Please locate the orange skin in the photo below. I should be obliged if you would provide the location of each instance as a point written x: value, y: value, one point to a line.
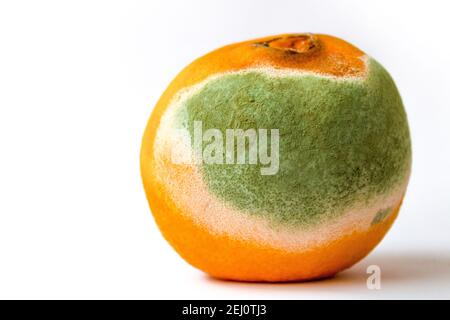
x: 220, y: 255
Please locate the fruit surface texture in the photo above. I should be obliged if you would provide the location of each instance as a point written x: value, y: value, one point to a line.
x: 332, y: 158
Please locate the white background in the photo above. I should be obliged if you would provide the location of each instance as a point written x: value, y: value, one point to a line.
x: 78, y: 80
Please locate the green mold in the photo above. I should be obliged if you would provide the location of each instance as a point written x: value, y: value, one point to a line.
x: 381, y: 215
x: 341, y: 141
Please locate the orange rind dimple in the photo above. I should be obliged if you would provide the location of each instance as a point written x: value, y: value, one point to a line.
x: 303, y: 43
